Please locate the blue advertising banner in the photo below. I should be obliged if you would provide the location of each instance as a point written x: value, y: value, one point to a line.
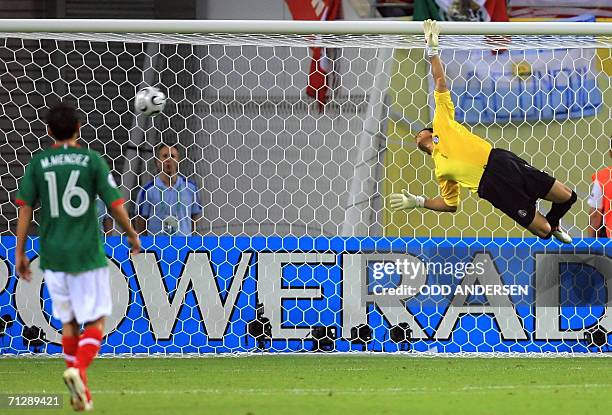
x: 514, y: 85
x: 522, y: 85
x: 209, y: 294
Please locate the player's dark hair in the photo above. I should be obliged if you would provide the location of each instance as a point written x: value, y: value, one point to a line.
x: 419, y: 145
x: 161, y: 145
x: 63, y: 121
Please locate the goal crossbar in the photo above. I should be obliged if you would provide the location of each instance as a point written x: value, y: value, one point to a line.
x: 300, y: 27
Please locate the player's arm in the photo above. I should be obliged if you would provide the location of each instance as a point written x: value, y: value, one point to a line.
x: 106, y: 188
x: 439, y: 204
x: 140, y: 224
x: 447, y: 202
x: 21, y: 261
x: 595, y: 201
x: 107, y: 221
x: 405, y: 200
x: 595, y: 222
x: 118, y: 212
x: 194, y: 222
x: 27, y: 196
x: 437, y: 70
x: 143, y: 211
x: 196, y: 208
x: 107, y: 225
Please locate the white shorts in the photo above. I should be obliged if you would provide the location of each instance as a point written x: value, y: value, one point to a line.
x: 85, y: 296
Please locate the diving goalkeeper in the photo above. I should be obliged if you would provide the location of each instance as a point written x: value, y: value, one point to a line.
x: 463, y: 159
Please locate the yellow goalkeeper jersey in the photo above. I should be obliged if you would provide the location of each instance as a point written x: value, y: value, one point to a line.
x: 460, y: 156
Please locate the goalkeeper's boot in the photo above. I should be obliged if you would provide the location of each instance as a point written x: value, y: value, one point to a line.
x: 80, y: 397
x: 561, y: 235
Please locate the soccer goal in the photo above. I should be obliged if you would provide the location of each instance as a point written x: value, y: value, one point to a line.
x: 294, y: 134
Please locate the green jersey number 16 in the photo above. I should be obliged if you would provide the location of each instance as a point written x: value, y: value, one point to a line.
x: 71, y: 191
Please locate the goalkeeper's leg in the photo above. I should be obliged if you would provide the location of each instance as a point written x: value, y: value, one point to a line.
x: 546, y: 226
x: 563, y: 198
x: 540, y: 226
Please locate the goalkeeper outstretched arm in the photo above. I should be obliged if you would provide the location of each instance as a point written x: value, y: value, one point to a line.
x: 432, y: 32
x: 405, y: 200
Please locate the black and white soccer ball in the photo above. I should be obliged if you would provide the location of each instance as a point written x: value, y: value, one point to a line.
x: 149, y: 101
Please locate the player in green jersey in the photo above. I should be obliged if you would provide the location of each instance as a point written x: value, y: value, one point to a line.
x: 65, y: 181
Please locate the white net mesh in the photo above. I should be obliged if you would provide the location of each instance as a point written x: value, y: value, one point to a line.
x: 292, y: 190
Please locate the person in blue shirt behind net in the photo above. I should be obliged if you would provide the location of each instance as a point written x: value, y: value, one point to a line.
x: 169, y: 204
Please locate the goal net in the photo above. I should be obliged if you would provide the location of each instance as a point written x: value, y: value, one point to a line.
x: 293, y: 143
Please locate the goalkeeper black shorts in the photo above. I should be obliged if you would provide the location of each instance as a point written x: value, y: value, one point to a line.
x: 513, y: 186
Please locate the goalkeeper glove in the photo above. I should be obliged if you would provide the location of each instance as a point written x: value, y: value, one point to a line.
x: 432, y: 30
x: 405, y: 200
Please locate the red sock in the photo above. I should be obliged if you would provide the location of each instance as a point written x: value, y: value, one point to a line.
x: 70, y: 344
x: 89, y: 345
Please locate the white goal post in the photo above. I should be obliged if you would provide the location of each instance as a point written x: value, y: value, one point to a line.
x: 293, y: 157
x: 300, y: 27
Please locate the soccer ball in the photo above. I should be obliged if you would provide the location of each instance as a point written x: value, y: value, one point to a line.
x: 149, y: 101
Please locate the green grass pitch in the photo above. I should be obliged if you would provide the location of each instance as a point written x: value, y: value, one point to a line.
x: 326, y: 384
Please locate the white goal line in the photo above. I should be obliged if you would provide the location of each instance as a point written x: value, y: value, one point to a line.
x: 302, y: 27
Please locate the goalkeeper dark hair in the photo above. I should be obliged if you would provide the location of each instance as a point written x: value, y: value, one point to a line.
x: 172, y: 144
x: 423, y: 147
x: 63, y: 121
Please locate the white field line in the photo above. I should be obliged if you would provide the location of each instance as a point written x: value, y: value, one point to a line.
x: 174, y: 371
x: 255, y: 370
x: 331, y: 391
x: 217, y: 370
x: 354, y: 391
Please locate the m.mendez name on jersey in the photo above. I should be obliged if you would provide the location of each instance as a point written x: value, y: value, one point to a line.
x: 63, y: 159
